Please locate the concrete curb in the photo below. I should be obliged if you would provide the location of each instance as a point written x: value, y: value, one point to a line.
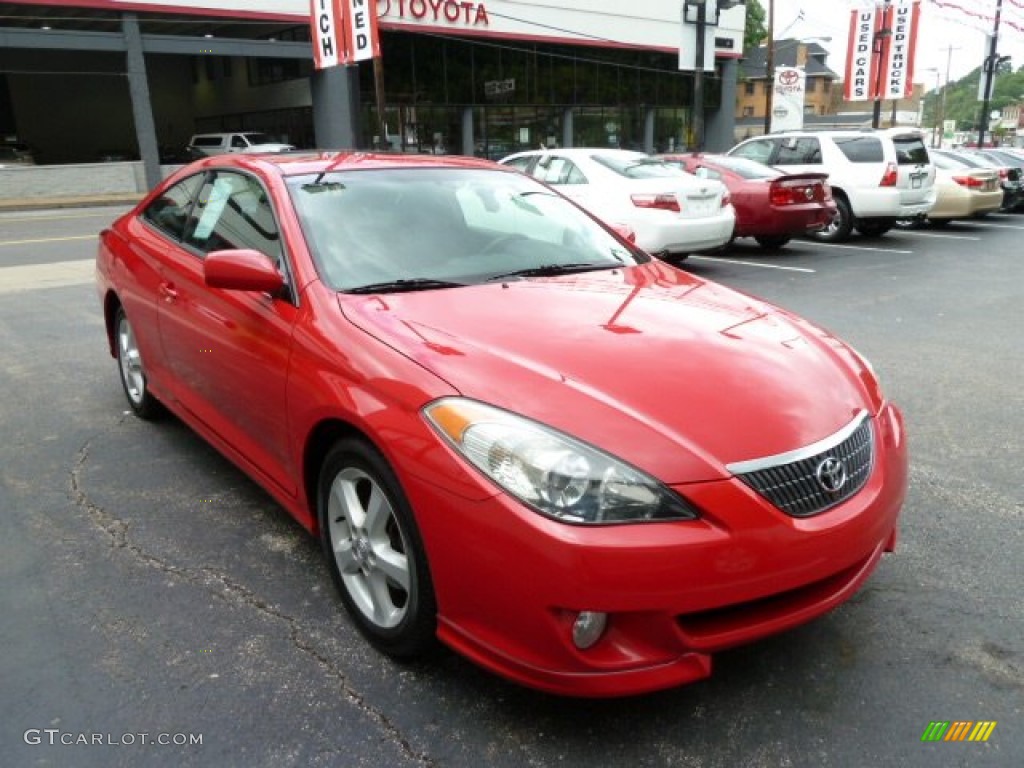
x: 42, y: 203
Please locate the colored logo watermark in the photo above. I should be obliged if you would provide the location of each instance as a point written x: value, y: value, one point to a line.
x: 958, y: 730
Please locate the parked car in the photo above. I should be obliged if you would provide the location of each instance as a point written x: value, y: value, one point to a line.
x: 16, y: 153
x: 877, y: 176
x: 962, y: 192
x: 511, y: 429
x: 1010, y: 180
x: 207, y: 144
x: 772, y: 207
x: 672, y: 212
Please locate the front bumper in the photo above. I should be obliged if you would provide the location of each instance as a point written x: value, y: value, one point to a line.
x: 510, y: 584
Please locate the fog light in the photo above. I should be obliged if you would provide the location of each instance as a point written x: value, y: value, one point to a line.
x: 588, y: 628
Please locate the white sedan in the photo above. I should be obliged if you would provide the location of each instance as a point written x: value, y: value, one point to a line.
x: 671, y: 212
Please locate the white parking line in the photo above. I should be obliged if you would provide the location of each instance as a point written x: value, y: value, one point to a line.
x: 753, y: 264
x: 995, y: 226
x: 861, y: 248
x: 31, y: 277
x: 943, y: 236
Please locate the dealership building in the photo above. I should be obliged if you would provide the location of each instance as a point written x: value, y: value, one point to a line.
x: 95, y: 80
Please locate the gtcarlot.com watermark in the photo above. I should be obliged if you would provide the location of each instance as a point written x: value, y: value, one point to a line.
x: 57, y: 737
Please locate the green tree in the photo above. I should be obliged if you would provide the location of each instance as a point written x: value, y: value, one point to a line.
x: 755, y: 31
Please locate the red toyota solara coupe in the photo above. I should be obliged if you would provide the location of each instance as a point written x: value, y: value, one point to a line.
x: 512, y: 430
x: 772, y: 207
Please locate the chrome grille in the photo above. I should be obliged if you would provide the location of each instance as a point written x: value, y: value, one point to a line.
x: 801, y: 483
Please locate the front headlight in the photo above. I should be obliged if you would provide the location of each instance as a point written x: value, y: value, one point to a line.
x: 550, y: 471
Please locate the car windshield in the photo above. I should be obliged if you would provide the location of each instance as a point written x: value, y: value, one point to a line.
x: 390, y: 230
x: 637, y: 166
x: 910, y: 150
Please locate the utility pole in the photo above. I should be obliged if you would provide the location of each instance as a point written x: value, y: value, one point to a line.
x: 769, y: 69
x: 942, y: 97
x: 989, y: 73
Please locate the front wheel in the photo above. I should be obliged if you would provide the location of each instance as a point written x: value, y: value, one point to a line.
x: 133, y: 374
x: 841, y: 225
x: 374, y: 551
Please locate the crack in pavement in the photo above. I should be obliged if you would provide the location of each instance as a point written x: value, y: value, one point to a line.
x: 225, y: 589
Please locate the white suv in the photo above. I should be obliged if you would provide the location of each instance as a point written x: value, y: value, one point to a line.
x: 877, y: 176
x: 206, y: 144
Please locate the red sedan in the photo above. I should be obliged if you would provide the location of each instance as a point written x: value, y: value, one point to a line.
x: 772, y: 207
x: 511, y: 429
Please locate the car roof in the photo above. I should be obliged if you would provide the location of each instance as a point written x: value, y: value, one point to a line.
x: 581, y: 151
x: 319, y: 161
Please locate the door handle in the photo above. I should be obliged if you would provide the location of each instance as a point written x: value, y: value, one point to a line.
x: 168, y: 293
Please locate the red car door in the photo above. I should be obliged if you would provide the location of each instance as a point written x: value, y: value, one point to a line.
x: 229, y: 351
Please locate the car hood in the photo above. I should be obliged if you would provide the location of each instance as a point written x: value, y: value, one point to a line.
x: 676, y: 375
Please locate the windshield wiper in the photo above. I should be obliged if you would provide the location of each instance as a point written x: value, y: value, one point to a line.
x: 405, y: 284
x: 549, y: 270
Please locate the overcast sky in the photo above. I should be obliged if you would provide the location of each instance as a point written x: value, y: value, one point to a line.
x: 944, y: 23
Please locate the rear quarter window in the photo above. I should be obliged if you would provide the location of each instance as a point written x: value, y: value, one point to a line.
x: 861, y: 149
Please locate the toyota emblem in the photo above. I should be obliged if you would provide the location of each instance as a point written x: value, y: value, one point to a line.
x: 831, y: 475
x: 789, y: 77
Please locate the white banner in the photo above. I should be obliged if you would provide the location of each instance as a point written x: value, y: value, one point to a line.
x: 899, y: 81
x: 788, y: 99
x: 361, y: 29
x: 860, y: 58
x: 325, y: 31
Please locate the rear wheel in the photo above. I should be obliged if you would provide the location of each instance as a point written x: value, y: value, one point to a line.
x: 374, y: 551
x: 773, y: 243
x: 133, y: 374
x: 841, y: 225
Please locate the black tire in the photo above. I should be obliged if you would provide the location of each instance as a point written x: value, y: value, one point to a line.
x: 841, y: 225
x: 374, y: 550
x: 873, y: 228
x: 132, y: 371
x: 773, y: 243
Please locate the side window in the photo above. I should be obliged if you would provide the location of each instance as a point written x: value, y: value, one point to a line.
x: 238, y: 142
x: 233, y: 211
x: 574, y: 175
x: 520, y: 163
x: 169, y: 212
x: 759, y: 150
x: 861, y: 149
x: 805, y: 151
x: 553, y: 170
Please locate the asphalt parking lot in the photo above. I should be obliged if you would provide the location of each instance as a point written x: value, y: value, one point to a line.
x: 150, y: 593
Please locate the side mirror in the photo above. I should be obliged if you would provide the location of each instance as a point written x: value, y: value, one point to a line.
x: 242, y: 270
